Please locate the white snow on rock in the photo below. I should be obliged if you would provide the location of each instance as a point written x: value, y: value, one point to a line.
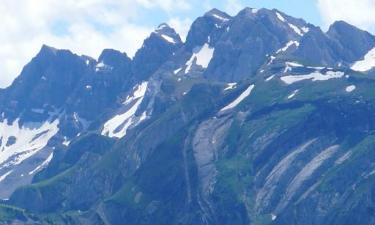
x: 299, y: 31
x: 224, y: 19
x: 43, y: 165
x: 177, y: 71
x: 290, y: 65
x: 305, y: 29
x: 280, y: 17
x: 4, y: 176
x: 117, y: 126
x: 169, y: 39
x: 293, y: 94
x: 139, y: 92
x: 230, y: 86
x: 293, y: 64
x: 287, y: 46
x: 101, y: 66
x: 202, y: 57
x: 315, y: 76
x: 66, y: 142
x: 270, y: 78
x: 296, y: 29
x: 350, y: 88
x: 28, y: 139
x: 367, y: 63
x: 240, y: 98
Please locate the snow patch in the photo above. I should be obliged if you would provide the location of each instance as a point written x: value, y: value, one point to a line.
x: 31, y: 138
x: 270, y: 78
x: 315, y: 76
x: 293, y: 94
x: 350, y: 88
x: 42, y: 165
x: 240, y: 98
x: 138, y: 92
x: 177, y: 71
x: 224, y: 19
x: 202, y: 57
x: 293, y: 64
x: 169, y: 39
x: 305, y: 29
x: 290, y: 65
x: 117, y: 126
x: 280, y: 17
x: 296, y: 29
x: 287, y: 46
x: 230, y: 86
x: 101, y: 66
x: 2, y: 178
x: 66, y: 142
x: 367, y: 63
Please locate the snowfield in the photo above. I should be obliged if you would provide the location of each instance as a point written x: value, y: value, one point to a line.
x: 240, y: 98
x: 367, y: 63
x: 202, y: 57
x: 19, y: 142
x: 315, y: 76
x: 117, y: 126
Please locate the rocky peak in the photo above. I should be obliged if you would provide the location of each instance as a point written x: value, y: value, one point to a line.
x: 167, y: 33
x: 113, y: 58
x: 352, y: 42
x: 207, y: 28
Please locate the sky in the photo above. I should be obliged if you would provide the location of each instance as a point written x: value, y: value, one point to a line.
x: 89, y: 26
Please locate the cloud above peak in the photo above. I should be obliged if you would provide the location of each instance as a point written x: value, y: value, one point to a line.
x: 357, y: 12
x: 84, y: 26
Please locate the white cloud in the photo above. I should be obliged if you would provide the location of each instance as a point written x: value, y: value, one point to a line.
x: 356, y: 12
x: 181, y: 26
x: 167, y: 5
x: 83, y: 26
x: 233, y: 6
x: 88, y: 26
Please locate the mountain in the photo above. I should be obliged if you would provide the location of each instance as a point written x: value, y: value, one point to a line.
x: 258, y: 118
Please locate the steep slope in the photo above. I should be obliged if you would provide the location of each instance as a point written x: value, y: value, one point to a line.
x: 256, y: 119
x: 59, y: 96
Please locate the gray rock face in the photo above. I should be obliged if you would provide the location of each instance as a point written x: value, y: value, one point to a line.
x: 197, y: 146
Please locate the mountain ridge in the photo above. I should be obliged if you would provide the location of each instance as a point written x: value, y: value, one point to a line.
x: 254, y: 119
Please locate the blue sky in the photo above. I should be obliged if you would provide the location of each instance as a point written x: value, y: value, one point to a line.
x: 306, y: 9
x: 88, y: 26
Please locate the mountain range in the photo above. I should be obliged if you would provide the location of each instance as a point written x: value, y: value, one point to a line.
x: 256, y: 119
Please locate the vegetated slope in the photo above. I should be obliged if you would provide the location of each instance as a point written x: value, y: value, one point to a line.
x: 256, y: 119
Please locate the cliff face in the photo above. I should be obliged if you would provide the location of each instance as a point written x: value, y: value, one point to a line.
x: 260, y: 118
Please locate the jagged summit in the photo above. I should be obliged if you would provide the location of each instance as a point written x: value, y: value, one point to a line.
x: 46, y: 51
x: 217, y: 14
x: 248, y: 11
x: 112, y: 57
x: 257, y: 118
x: 46, y: 48
x: 167, y: 33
